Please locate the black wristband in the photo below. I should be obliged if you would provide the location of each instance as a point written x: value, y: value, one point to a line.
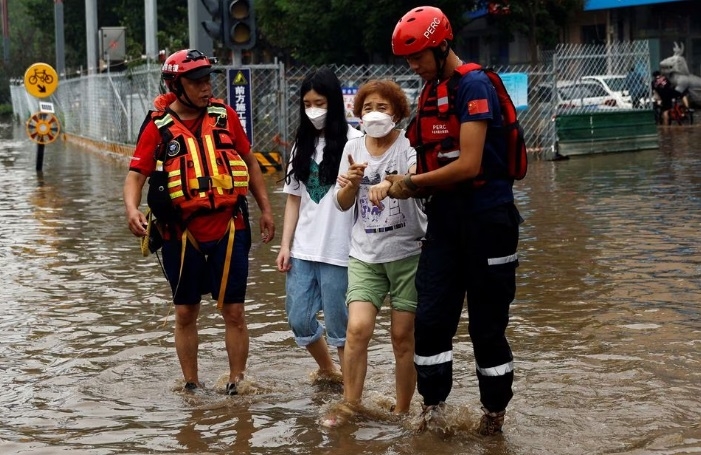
x: 409, y: 184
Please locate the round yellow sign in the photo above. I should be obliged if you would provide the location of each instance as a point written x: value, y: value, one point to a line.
x: 43, y: 128
x: 40, y: 80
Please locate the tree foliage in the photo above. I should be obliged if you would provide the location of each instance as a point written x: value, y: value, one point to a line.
x: 33, y: 29
x: 311, y: 32
x: 542, y: 21
x: 338, y: 31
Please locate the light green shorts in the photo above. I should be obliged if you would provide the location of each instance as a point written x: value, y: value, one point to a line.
x: 373, y: 282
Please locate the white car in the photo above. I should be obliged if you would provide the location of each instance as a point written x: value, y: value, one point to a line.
x: 615, y: 87
x: 573, y: 96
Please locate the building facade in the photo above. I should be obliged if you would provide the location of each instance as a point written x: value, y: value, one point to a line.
x: 663, y: 22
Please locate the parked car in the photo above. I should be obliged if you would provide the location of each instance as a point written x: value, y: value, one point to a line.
x: 574, y: 96
x: 615, y: 86
x: 545, y: 102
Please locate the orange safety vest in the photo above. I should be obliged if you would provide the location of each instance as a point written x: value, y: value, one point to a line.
x: 205, y: 172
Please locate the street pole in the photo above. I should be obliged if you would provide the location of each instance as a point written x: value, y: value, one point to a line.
x: 40, y: 157
x: 60, y: 40
x: 91, y: 35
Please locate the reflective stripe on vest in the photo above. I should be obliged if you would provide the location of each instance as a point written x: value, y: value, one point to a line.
x: 203, y: 176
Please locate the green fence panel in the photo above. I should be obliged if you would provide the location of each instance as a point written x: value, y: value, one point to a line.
x: 606, y: 131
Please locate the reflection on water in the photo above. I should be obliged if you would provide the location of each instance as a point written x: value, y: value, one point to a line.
x: 606, y: 327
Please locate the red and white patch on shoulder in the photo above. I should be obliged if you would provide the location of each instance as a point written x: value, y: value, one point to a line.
x: 480, y: 106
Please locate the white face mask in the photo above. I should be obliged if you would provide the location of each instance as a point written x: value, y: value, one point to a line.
x: 317, y: 116
x: 377, y: 124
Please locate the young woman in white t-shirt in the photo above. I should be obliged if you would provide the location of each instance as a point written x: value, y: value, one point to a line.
x: 316, y: 235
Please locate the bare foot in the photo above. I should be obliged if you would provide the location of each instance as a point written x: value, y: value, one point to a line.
x: 339, y: 414
x: 332, y: 376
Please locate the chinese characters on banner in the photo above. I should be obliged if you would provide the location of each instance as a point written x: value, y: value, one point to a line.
x: 239, y: 94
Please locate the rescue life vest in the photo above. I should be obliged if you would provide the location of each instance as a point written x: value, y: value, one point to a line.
x: 435, y: 130
x: 204, y: 171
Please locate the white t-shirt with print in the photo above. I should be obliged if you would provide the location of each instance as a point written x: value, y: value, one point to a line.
x: 393, y: 232
x: 323, y: 232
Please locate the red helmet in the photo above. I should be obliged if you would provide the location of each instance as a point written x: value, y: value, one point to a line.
x: 421, y: 28
x: 189, y: 63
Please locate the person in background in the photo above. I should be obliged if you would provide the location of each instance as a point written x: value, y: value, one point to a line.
x: 198, y: 144
x: 472, y: 235
x: 315, y: 235
x: 664, y: 95
x: 385, y: 242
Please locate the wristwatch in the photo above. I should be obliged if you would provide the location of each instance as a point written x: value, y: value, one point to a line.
x: 409, y: 184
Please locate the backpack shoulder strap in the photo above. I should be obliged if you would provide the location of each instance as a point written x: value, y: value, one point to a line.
x: 467, y: 67
x: 159, y: 153
x: 458, y: 73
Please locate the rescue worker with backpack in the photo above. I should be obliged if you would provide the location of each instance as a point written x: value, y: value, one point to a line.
x: 197, y: 157
x: 469, y: 151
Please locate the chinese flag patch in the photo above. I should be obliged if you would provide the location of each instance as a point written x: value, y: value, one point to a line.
x: 478, y: 107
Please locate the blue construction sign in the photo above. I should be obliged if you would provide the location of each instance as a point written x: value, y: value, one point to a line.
x: 239, y: 97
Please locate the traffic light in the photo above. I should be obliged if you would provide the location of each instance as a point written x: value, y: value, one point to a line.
x: 239, y: 26
x: 214, y: 28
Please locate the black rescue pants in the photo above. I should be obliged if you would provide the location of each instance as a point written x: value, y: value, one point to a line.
x: 471, y: 256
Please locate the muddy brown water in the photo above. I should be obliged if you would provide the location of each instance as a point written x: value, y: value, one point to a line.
x: 606, y: 328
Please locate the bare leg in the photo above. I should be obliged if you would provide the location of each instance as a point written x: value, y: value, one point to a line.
x: 341, y: 352
x: 320, y: 351
x: 361, y: 324
x: 404, y: 371
x: 236, y: 339
x: 186, y: 340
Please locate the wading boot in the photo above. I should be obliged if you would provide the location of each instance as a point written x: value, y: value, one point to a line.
x: 491, y: 422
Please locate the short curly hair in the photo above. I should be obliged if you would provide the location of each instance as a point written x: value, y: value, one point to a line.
x: 387, y: 89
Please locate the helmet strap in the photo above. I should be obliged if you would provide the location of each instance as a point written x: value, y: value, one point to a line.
x: 441, y: 56
x: 179, y: 91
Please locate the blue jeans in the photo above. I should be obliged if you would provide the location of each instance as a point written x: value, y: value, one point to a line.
x: 312, y: 287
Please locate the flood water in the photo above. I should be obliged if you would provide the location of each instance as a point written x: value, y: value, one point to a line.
x: 606, y: 327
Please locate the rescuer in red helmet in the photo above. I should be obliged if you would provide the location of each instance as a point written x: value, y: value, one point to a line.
x: 197, y: 157
x: 472, y: 235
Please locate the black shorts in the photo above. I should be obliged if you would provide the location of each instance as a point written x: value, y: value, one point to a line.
x: 202, y: 270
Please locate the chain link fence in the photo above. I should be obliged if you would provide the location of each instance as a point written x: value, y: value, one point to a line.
x: 111, y: 107
x: 601, y: 77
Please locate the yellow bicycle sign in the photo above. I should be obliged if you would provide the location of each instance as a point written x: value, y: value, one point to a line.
x: 40, y: 80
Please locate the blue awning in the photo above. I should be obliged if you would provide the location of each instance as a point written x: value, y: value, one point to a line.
x: 477, y: 13
x: 606, y: 4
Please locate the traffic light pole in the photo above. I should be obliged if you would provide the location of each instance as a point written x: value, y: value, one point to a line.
x: 236, y: 58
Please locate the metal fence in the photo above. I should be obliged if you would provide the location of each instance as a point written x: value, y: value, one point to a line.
x: 619, y: 73
x: 112, y: 107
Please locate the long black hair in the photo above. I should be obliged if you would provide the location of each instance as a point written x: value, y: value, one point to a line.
x: 325, y: 83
